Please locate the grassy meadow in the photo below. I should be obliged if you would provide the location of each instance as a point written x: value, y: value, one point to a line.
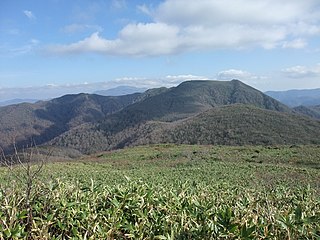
x: 168, y: 192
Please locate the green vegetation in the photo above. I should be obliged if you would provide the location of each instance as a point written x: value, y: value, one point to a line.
x: 235, y: 124
x: 45, y: 120
x: 196, y: 112
x: 92, y: 123
x: 310, y: 111
x: 170, y: 192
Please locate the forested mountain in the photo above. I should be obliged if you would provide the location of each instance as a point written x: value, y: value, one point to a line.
x: 187, y: 99
x: 311, y: 111
x: 235, y: 124
x: 46, y: 120
x: 194, y: 112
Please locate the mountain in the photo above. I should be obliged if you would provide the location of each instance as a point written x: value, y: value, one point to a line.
x: 202, y: 112
x: 178, y: 115
x: 17, y: 101
x: 245, y: 124
x: 235, y: 124
x: 294, y: 98
x: 187, y: 99
x: 120, y: 91
x: 46, y: 120
x: 311, y: 111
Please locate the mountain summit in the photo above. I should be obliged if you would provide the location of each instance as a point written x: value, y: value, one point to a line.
x: 202, y: 112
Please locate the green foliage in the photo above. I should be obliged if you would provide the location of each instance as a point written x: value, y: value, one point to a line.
x: 243, y: 124
x: 310, y: 111
x: 228, y: 125
x: 195, y: 112
x: 172, y: 192
x: 46, y: 120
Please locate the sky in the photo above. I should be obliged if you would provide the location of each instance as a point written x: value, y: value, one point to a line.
x: 53, y: 47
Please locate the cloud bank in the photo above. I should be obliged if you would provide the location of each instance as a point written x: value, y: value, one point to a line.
x: 292, y: 76
x: 55, y: 90
x: 179, y: 26
x: 298, y: 72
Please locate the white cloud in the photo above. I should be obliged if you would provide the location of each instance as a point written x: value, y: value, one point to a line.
x: 244, y: 76
x: 167, y: 81
x: 29, y: 14
x: 135, y: 39
x: 175, y: 79
x: 185, y: 25
x: 215, y: 12
x: 296, y: 43
x: 74, y: 28
x: 302, y: 72
x: 236, y: 74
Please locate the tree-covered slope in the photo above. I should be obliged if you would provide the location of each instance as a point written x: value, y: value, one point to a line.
x: 43, y: 121
x: 243, y: 124
x: 204, y: 112
x: 235, y: 124
x: 311, y: 111
x: 187, y: 99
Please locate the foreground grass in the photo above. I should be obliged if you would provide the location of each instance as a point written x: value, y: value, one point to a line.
x: 171, y: 192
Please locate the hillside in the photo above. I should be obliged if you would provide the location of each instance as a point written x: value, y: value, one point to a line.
x: 194, y: 112
x: 46, y: 120
x: 187, y: 99
x: 197, y: 112
x: 226, y: 125
x: 242, y: 125
x: 294, y: 98
x: 310, y: 111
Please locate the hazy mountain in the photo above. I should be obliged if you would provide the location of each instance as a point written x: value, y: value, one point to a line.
x: 17, y: 101
x: 120, y: 91
x: 294, y: 98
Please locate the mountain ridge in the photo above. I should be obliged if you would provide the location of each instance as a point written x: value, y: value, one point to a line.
x: 42, y: 121
x: 91, y: 123
x: 235, y: 124
x: 295, y: 97
x: 120, y: 91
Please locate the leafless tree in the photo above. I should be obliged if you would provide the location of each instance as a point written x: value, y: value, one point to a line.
x: 24, y: 167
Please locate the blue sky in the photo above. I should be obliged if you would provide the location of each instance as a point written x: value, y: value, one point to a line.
x: 49, y: 48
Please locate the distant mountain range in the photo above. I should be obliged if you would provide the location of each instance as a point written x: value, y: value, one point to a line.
x: 120, y: 91
x: 17, y: 101
x: 117, y: 91
x: 294, y: 98
x: 195, y: 112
